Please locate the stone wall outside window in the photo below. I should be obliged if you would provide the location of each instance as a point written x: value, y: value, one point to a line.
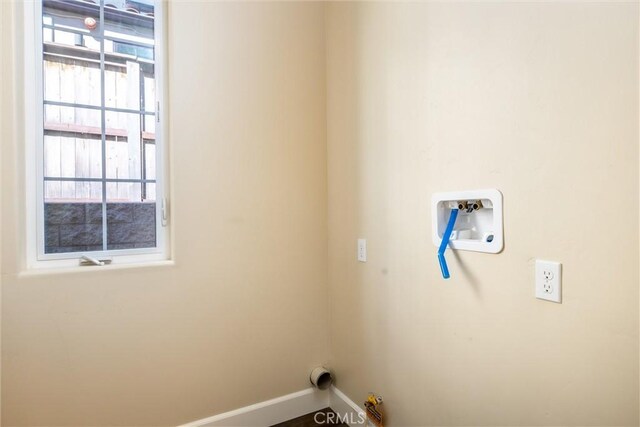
x: 77, y: 227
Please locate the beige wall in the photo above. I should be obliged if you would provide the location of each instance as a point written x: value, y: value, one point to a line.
x: 242, y: 316
x: 539, y: 100
x: 5, y: 116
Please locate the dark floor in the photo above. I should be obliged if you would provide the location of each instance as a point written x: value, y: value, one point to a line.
x: 325, y: 417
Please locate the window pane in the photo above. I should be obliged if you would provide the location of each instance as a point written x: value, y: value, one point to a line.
x: 131, y: 225
x: 150, y: 159
x: 47, y: 33
x: 72, y: 191
x: 129, y: 48
x: 69, y: 157
x: 72, y: 227
x: 149, y: 87
x: 150, y: 192
x: 126, y: 88
x: 126, y: 148
x: 72, y: 142
x: 131, y: 191
x: 71, y: 80
x: 71, y: 52
x: 150, y: 125
x: 83, y: 121
x: 71, y: 14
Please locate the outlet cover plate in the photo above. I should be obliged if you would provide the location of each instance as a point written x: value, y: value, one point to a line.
x: 549, y: 280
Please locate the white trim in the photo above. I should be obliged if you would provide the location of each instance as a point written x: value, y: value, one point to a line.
x: 288, y: 407
x: 38, y: 272
x: 32, y: 115
x: 348, y: 411
x: 162, y: 155
x: 269, y: 412
x: 34, y: 151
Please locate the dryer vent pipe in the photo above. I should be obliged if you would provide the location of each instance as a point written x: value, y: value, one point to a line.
x: 321, y: 378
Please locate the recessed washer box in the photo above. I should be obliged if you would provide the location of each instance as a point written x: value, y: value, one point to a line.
x: 479, y: 230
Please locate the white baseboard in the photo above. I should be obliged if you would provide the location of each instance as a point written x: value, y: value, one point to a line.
x: 348, y: 411
x: 269, y: 412
x: 285, y: 408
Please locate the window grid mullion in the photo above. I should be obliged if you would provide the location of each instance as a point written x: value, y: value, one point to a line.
x: 112, y: 180
x: 143, y: 156
x: 103, y: 128
x: 109, y: 38
x: 97, y: 107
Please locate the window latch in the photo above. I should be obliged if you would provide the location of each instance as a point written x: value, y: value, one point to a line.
x: 164, y: 215
x: 87, y: 260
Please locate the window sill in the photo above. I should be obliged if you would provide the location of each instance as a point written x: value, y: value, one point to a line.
x: 35, y: 272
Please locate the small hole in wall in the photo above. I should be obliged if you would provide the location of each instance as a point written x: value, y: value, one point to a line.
x: 490, y: 238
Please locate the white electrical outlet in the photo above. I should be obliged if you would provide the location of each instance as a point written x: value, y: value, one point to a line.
x: 549, y: 280
x: 362, y: 250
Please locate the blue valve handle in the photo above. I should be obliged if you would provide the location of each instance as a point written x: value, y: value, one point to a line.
x: 445, y: 242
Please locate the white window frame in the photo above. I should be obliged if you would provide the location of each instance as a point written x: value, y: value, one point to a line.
x: 34, y: 153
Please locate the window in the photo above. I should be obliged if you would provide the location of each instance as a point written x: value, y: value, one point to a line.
x: 99, y: 170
